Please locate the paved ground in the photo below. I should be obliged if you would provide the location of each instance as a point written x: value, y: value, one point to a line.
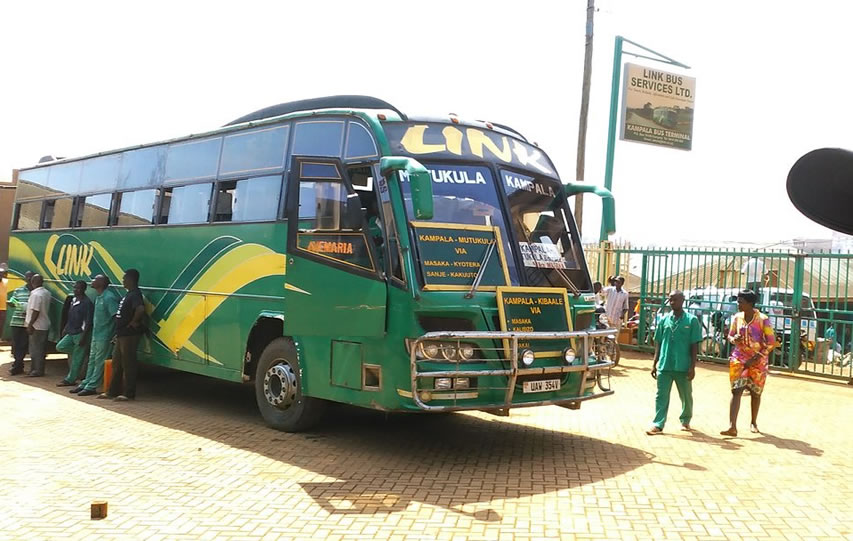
x: 192, y: 460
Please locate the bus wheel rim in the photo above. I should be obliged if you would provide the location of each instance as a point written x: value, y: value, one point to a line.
x: 280, y: 385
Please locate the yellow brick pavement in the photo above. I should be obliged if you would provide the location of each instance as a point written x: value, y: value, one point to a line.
x: 192, y: 460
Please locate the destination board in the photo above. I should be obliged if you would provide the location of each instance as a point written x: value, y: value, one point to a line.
x: 535, y: 309
x: 451, y: 256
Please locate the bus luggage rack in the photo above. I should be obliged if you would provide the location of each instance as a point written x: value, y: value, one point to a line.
x: 448, y: 367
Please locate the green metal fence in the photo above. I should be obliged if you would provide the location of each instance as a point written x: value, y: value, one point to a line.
x: 806, y: 295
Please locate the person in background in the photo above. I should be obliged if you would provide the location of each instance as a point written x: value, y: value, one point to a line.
x: 103, y: 332
x: 4, y: 290
x: 77, y: 330
x: 677, y: 338
x: 753, y: 338
x: 599, y: 298
x: 129, y: 329
x: 18, y: 324
x: 38, y: 324
x: 616, y: 305
x: 754, y: 271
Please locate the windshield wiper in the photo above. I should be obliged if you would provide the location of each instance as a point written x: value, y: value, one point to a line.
x: 477, y: 279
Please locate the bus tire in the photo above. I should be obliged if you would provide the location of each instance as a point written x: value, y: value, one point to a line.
x: 278, y: 389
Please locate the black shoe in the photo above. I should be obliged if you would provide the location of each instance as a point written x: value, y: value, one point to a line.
x: 65, y: 383
x: 35, y: 375
x: 75, y: 390
x: 87, y: 392
x: 17, y: 372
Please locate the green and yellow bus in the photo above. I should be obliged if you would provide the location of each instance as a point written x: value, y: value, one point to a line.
x: 334, y: 249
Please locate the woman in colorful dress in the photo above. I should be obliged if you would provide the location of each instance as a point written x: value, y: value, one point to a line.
x: 753, y: 338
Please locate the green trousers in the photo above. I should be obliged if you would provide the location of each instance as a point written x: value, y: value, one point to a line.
x: 100, y: 351
x: 76, y: 351
x: 685, y: 393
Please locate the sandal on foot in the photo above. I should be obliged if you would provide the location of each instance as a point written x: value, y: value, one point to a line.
x: 730, y: 432
x: 654, y: 431
x: 754, y: 429
x: 686, y: 427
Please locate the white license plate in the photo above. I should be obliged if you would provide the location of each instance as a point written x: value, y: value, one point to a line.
x: 541, y: 386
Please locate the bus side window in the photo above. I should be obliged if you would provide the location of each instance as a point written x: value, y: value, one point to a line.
x: 57, y: 214
x: 28, y: 216
x: 322, y: 206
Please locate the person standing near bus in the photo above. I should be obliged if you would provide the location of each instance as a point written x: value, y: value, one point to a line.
x: 77, y: 330
x: 129, y: 329
x: 677, y: 338
x: 616, y: 305
x: 4, y: 284
x: 38, y: 324
x: 18, y: 324
x: 103, y: 332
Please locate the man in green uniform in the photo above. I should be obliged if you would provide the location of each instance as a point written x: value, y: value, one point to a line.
x: 677, y: 338
x: 103, y: 331
x: 77, y: 330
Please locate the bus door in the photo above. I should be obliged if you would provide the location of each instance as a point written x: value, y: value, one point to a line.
x: 333, y: 282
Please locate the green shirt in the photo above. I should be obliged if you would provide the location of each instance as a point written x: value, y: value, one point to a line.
x: 675, y: 337
x: 19, y: 300
x: 106, y: 306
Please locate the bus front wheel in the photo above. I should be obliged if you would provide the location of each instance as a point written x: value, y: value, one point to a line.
x: 278, y: 389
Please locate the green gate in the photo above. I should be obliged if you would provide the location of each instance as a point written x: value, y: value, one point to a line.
x: 806, y: 296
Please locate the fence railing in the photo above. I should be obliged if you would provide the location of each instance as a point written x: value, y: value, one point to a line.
x: 806, y: 295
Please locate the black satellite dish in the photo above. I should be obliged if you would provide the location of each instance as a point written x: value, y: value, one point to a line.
x: 820, y: 185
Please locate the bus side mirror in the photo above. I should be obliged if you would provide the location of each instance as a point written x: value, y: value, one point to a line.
x: 420, y: 183
x: 609, y: 214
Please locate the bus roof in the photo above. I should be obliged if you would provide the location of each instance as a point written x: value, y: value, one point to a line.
x: 342, y: 104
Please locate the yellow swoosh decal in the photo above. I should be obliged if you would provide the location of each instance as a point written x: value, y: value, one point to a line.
x: 239, y: 267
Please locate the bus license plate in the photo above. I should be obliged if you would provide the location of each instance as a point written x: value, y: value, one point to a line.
x: 541, y: 386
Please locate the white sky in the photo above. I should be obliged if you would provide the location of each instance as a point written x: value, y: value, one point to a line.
x: 773, y: 83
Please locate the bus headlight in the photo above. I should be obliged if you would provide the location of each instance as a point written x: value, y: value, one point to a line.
x: 527, y: 357
x: 466, y: 351
x: 448, y: 351
x: 443, y: 384
x: 569, y: 355
x: 430, y: 350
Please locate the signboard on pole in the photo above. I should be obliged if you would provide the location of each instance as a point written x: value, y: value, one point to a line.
x: 657, y: 107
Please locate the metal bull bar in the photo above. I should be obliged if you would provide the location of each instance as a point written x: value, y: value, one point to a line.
x: 513, y: 371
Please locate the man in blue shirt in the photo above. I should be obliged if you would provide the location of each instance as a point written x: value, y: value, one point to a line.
x: 677, y: 338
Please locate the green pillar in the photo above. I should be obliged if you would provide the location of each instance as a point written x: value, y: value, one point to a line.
x: 796, y: 306
x: 611, y: 133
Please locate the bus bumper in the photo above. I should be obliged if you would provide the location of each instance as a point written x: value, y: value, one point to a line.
x: 503, y: 362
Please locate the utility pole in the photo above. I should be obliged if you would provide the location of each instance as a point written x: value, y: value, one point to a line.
x: 582, y: 122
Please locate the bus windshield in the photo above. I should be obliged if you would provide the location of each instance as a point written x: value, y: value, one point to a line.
x: 467, y: 195
x: 545, y: 241
x: 549, y: 247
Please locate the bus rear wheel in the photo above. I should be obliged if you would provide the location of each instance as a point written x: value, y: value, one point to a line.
x: 278, y: 389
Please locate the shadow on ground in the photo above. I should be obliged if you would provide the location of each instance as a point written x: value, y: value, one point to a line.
x: 378, y: 462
